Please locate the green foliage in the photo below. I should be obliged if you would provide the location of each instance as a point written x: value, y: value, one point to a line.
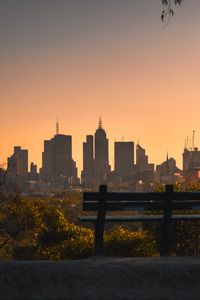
x: 76, y: 244
x: 39, y: 229
x: 123, y: 242
x: 52, y: 237
x: 184, y: 235
x: 69, y: 202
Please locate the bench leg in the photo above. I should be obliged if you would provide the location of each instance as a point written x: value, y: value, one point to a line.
x: 99, y: 245
x: 99, y: 225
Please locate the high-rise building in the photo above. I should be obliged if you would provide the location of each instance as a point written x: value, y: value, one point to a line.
x: 191, y: 159
x: 101, y: 163
x: 88, y: 161
x: 88, y: 153
x: 141, y: 159
x: 57, y: 161
x: 18, y: 163
x: 124, y: 157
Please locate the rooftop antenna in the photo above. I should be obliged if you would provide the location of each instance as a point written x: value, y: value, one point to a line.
x: 100, y: 122
x: 57, y: 126
x: 193, y: 136
x: 167, y: 160
x: 190, y: 146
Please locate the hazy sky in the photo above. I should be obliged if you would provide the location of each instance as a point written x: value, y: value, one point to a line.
x: 80, y: 59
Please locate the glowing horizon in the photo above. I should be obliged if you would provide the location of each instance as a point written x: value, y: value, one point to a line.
x: 81, y: 60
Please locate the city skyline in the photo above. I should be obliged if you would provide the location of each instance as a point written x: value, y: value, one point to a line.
x: 79, y: 60
x: 189, y: 143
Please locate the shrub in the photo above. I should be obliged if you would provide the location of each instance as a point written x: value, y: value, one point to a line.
x: 125, y: 243
x: 184, y: 235
x: 72, y: 243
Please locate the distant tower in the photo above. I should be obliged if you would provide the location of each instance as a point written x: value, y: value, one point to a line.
x: 141, y: 159
x: 124, y: 157
x: 18, y: 162
x: 101, y: 143
x: 88, y: 160
x: 101, y: 164
x: 57, y: 161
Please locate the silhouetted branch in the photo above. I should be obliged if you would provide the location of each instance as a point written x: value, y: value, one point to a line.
x: 8, y: 190
x: 168, y: 9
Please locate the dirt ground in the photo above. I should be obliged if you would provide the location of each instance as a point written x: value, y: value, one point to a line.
x: 102, y: 279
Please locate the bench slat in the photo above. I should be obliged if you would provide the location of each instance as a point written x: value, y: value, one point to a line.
x: 141, y: 205
x: 113, y: 196
x: 140, y: 218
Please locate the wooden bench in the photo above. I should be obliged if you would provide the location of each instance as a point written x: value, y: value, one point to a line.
x: 164, y: 202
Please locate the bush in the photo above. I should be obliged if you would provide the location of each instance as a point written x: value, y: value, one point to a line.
x: 125, y: 243
x: 73, y: 243
x: 184, y: 235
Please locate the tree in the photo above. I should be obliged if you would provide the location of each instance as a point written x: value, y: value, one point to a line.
x: 9, y: 196
x: 168, y: 8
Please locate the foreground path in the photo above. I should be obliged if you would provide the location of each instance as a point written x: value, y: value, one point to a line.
x: 102, y: 279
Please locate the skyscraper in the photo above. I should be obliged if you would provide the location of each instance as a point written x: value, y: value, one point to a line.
x: 57, y: 162
x: 101, y: 163
x: 88, y: 161
x: 124, y: 157
x: 191, y: 159
x: 141, y: 159
x: 18, y: 163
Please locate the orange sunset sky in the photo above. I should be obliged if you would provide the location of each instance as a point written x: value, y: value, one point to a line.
x: 79, y: 60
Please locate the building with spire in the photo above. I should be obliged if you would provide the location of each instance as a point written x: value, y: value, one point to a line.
x: 95, y: 158
x: 101, y: 161
x: 57, y: 162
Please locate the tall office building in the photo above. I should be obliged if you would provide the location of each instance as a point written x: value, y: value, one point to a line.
x: 18, y: 163
x: 191, y: 159
x: 57, y: 161
x: 88, y: 161
x: 124, y: 157
x: 101, y: 163
x: 141, y: 159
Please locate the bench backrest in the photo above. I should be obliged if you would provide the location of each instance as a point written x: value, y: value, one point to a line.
x: 117, y: 201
